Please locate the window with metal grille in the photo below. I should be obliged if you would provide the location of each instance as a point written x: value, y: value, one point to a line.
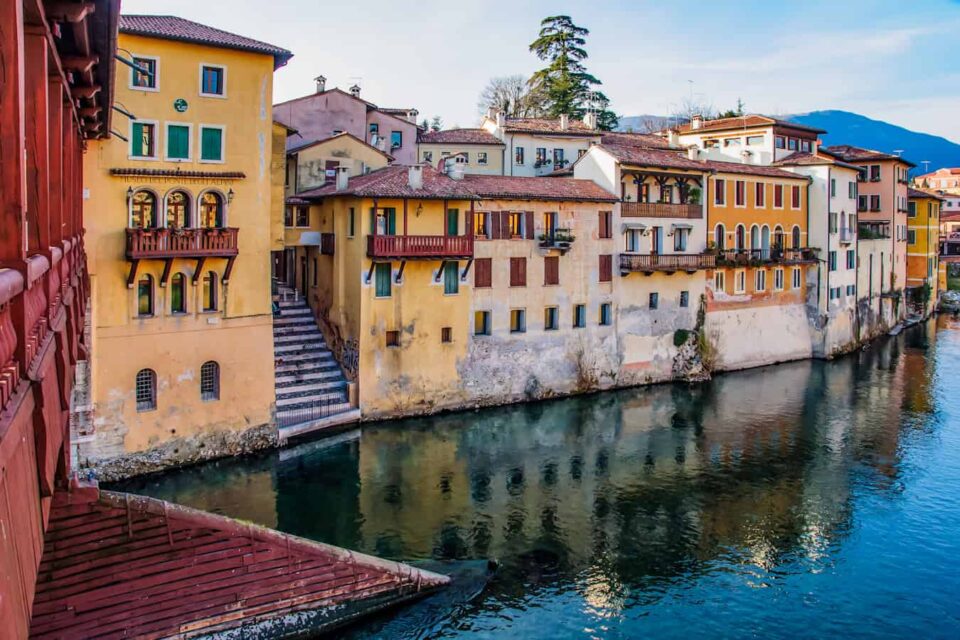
x: 210, y: 381
x: 146, y: 390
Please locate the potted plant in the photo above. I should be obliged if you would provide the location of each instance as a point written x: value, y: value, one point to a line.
x: 693, y: 195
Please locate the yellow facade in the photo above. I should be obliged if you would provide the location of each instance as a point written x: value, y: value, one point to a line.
x: 478, y: 158
x: 309, y: 165
x: 923, y: 240
x: 225, y: 320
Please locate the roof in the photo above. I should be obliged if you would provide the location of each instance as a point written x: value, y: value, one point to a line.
x: 393, y: 182
x: 850, y: 153
x: 918, y: 193
x: 549, y: 126
x: 745, y: 122
x: 718, y: 166
x: 396, y: 114
x: 116, y: 564
x: 527, y: 188
x: 943, y: 171
x: 646, y: 140
x: 806, y: 159
x: 460, y: 136
x: 397, y: 111
x: 344, y: 134
x: 646, y: 157
x: 176, y: 28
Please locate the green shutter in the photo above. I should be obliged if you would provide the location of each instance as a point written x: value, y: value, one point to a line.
x: 211, y: 142
x: 451, y: 277
x: 178, y: 142
x: 391, y: 221
x: 383, y: 274
x: 453, y: 222
x: 137, y: 139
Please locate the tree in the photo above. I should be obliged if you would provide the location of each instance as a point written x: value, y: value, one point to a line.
x: 733, y: 113
x: 425, y: 124
x: 513, y: 96
x: 436, y: 124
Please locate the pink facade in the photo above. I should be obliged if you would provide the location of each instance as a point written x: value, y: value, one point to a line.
x: 324, y: 114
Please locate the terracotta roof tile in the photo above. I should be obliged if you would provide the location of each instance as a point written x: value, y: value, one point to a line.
x: 460, y: 136
x: 393, y: 182
x: 176, y: 28
x: 645, y: 140
x: 744, y: 122
x: 917, y: 193
x: 803, y: 158
x: 677, y: 159
x: 306, y: 144
x: 543, y: 188
x: 548, y: 126
x: 750, y: 170
x: 850, y: 153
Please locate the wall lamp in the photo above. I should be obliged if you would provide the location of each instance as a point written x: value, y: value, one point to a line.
x: 230, y: 195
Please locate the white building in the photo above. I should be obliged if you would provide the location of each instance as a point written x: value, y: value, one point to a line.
x: 752, y: 139
x: 540, y: 146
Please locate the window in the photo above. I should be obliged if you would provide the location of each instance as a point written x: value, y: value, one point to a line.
x: 211, y: 210
x: 383, y: 222
x: 178, y: 210
x: 792, y: 144
x: 833, y: 187
x: 711, y: 143
x: 719, y: 192
x: 210, y: 381
x: 852, y: 190
x: 754, y: 141
x: 606, y: 225
x: 796, y: 277
x: 740, y: 281
x: 680, y: 239
x: 632, y: 238
x: 146, y: 390
x: 606, y: 268
x: 288, y: 216
x: 481, y: 225
x: 481, y: 323
x: 805, y: 145
x: 178, y: 293
x: 518, y: 321
x: 740, y: 193
x: 453, y: 222
x: 146, y: 79
x: 796, y: 237
x: 912, y: 209
x: 396, y: 139
x: 145, y: 296
x: 719, y: 281
x: 912, y: 236
x: 518, y: 156
x: 383, y: 274
x: 832, y: 260
x: 451, y: 278
x: 551, y: 319
x: 654, y: 300
x: 210, y: 291
x: 516, y: 224
x: 518, y: 272
x: 780, y: 142
x: 606, y: 318
x: 760, y: 281
x: 861, y: 203
x: 178, y: 142
x: 481, y: 157
x: 666, y: 194
x: 874, y: 173
x: 143, y: 210
x: 392, y: 338
x: 143, y: 140
x: 851, y: 259
x: 446, y: 335
x: 579, y: 316
x: 732, y: 142
x: 211, y: 144
x: 778, y: 279
x: 740, y: 238
x: 778, y: 196
x: 351, y: 223
x: 851, y: 289
x: 795, y: 197
x: 760, y: 194
x: 720, y: 236
x: 374, y: 129
x: 428, y: 157
x: 551, y: 270
x: 213, y: 80
x: 684, y: 298
x: 875, y: 203
x: 482, y: 273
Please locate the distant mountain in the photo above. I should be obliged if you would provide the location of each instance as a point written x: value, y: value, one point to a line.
x: 844, y: 127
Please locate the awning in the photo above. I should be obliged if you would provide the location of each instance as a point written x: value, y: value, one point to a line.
x: 309, y: 239
x: 630, y: 224
x: 680, y: 225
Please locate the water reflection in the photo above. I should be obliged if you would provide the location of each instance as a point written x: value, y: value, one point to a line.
x: 608, y: 509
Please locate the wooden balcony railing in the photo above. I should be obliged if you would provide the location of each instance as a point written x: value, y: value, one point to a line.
x: 660, y: 210
x: 181, y: 243
x: 647, y: 262
x: 420, y: 247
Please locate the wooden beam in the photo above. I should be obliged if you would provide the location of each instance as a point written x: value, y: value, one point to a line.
x: 79, y: 64
x: 199, y: 270
x: 38, y: 149
x: 229, y: 269
x: 166, y: 272
x: 13, y: 166
x: 69, y: 11
x: 366, y: 279
x: 399, y: 278
x: 84, y: 93
x: 132, y: 274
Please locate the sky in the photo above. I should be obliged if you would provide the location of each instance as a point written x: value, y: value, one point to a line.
x: 889, y: 60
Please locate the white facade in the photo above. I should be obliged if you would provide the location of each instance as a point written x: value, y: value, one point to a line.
x: 537, y: 154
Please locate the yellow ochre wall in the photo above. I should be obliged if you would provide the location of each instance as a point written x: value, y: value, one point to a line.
x: 923, y: 252
x: 730, y: 215
x: 308, y: 169
x: 239, y: 335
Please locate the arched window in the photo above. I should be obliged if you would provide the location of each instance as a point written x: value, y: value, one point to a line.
x: 178, y: 210
x: 145, y: 296
x: 741, y: 239
x: 146, y: 390
x: 719, y: 236
x: 210, y: 291
x: 796, y: 237
x: 778, y: 237
x: 178, y: 293
x: 210, y: 381
x: 765, y: 242
x: 211, y: 210
x: 754, y: 238
x: 143, y: 210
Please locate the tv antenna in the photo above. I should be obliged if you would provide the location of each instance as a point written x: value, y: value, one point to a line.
x: 926, y: 166
x: 899, y: 152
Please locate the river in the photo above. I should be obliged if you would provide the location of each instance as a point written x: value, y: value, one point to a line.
x: 805, y: 499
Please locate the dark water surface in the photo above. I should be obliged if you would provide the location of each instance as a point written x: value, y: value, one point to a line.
x: 809, y: 499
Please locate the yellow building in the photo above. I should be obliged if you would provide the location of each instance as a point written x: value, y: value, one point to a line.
x: 181, y: 217
x: 923, y: 248
x: 475, y: 151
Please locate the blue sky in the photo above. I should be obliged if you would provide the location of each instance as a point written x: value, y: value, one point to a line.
x: 894, y: 61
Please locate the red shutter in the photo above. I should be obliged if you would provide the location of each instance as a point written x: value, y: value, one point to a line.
x: 468, y: 223
x: 494, y: 225
x: 551, y: 270
x: 529, y: 225
x: 483, y: 272
x: 606, y: 268
x: 518, y: 272
x: 505, y: 224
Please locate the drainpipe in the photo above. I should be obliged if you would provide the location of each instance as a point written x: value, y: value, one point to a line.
x: 829, y: 220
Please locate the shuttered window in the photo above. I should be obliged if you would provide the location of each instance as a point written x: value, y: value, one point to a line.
x: 178, y: 142
x: 382, y: 276
x: 211, y: 144
x: 453, y: 222
x: 606, y: 268
x: 551, y: 270
x: 451, y: 278
x: 483, y: 273
x: 606, y: 226
x: 518, y: 272
x: 143, y: 140
x: 383, y: 222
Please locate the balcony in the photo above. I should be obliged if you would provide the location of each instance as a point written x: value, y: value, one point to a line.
x: 873, y: 231
x: 660, y: 210
x: 650, y: 262
x: 759, y: 257
x: 557, y: 239
x: 144, y: 244
x: 420, y: 247
x: 846, y: 235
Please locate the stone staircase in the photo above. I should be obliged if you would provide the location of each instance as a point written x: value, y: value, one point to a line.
x: 311, y: 390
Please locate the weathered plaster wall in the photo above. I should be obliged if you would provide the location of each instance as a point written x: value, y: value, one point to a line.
x: 496, y: 155
x: 311, y: 163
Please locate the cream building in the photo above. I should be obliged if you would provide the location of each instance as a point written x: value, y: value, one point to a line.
x: 472, y: 150
x: 540, y: 146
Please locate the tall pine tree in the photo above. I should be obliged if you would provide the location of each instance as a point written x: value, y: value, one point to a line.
x: 565, y: 82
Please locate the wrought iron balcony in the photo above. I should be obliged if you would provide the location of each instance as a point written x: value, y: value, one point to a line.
x: 758, y: 257
x: 661, y: 210
x: 650, y: 262
x: 181, y: 243
x: 420, y: 247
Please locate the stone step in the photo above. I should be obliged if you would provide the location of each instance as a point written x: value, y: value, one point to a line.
x: 308, y: 388
x: 283, y: 321
x: 296, y: 311
x: 293, y: 329
x: 307, y: 366
x: 304, y: 345
x: 298, y: 401
x: 332, y: 373
x: 304, y: 337
x: 293, y: 304
x: 318, y: 355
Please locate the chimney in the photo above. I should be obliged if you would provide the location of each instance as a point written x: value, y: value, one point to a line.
x: 693, y: 152
x: 590, y: 120
x: 321, y: 83
x: 501, y: 121
x: 343, y: 178
x: 412, y: 115
x: 673, y: 137
x: 696, y: 121
x: 491, y: 113
x: 415, y: 177
x: 564, y: 122
x: 355, y: 91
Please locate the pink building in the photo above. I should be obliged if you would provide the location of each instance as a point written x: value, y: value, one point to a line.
x: 326, y: 113
x: 947, y: 178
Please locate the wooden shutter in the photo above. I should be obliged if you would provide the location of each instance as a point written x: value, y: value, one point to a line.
x: 505, y: 224
x: 210, y: 143
x: 529, y: 225
x: 606, y: 268
x: 373, y: 221
x: 518, y: 272
x: 137, y: 139
x: 483, y: 272
x: 453, y: 222
x: 468, y: 223
x: 551, y: 270
x: 391, y: 221
x: 495, y: 230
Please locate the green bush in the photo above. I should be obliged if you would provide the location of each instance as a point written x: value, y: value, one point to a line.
x: 680, y: 337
